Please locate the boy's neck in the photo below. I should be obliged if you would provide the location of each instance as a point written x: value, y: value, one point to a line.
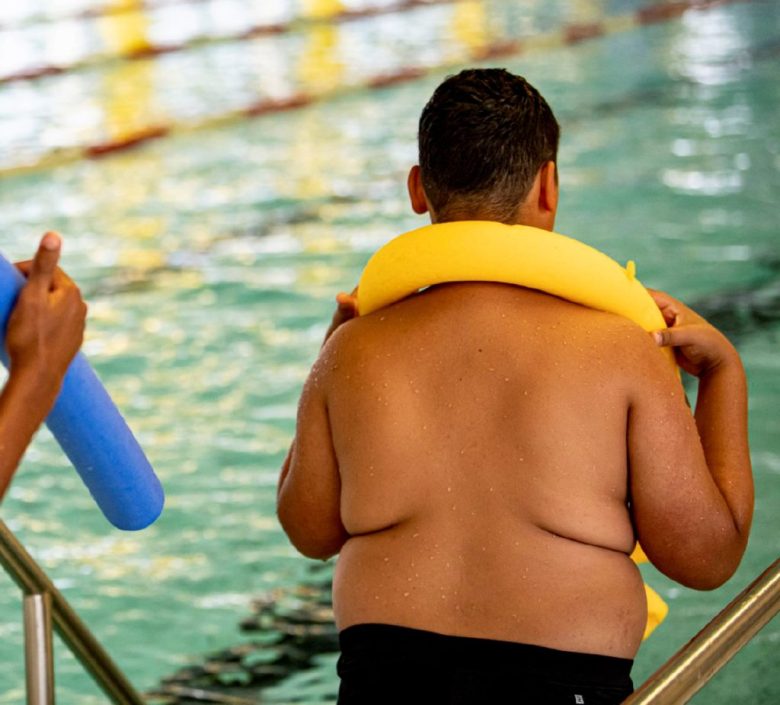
x: 543, y: 221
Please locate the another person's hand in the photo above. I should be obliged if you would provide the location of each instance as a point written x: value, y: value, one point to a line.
x: 699, y: 347
x: 346, y: 310
x: 46, y: 327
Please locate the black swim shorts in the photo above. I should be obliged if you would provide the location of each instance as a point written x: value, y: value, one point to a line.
x: 383, y: 664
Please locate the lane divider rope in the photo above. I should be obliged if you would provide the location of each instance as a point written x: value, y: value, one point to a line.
x: 142, y: 6
x: 564, y: 36
x: 149, y: 51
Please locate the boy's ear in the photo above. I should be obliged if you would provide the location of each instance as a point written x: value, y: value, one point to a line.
x: 416, y: 191
x: 548, y: 188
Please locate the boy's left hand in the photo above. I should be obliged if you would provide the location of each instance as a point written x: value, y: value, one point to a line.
x: 698, y: 346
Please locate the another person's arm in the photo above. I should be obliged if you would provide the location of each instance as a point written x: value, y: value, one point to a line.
x: 44, y: 332
x: 308, y: 495
x: 690, y: 479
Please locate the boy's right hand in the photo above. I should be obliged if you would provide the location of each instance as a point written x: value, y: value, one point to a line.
x: 46, y: 327
x: 699, y: 347
x: 346, y: 310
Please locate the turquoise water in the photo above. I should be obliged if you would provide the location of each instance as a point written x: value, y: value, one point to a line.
x: 210, y: 261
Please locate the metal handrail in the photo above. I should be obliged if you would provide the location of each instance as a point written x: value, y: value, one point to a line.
x: 685, y: 673
x: 32, y: 580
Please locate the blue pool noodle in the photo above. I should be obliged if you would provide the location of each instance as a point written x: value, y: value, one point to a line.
x: 93, y: 434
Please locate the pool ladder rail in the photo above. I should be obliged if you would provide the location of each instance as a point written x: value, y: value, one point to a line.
x: 44, y: 605
x: 683, y: 675
x: 689, y: 670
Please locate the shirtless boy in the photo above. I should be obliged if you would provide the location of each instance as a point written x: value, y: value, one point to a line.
x: 483, y: 457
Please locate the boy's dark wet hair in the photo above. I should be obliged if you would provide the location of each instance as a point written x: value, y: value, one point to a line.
x: 483, y: 136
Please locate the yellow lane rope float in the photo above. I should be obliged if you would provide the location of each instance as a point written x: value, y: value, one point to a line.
x: 513, y: 254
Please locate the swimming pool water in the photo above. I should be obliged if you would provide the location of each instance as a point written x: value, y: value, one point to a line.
x: 210, y: 261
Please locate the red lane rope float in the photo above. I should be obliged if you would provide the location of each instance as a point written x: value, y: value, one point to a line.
x: 202, y: 40
x: 566, y: 35
x: 136, y: 138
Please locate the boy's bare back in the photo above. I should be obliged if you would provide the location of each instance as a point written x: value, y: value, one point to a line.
x: 484, y: 458
x: 480, y: 435
x: 480, y: 431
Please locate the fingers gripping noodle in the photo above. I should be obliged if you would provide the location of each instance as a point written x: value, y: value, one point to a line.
x: 93, y: 434
x: 513, y: 254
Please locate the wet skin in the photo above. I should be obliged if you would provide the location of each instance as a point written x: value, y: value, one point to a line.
x: 471, y: 451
